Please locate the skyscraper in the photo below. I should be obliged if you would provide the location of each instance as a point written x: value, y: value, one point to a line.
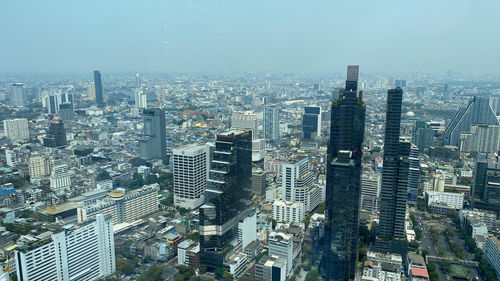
x: 446, y: 93
x: 413, y: 175
x: 422, y: 136
x: 245, y: 121
x: 394, y: 191
x: 271, y: 125
x: 98, y: 88
x: 482, y: 138
x: 400, y: 83
x: 140, y: 99
x: 40, y: 166
x: 227, y: 197
x: 56, y: 136
x: 60, y: 179
x: 297, y: 181
x: 17, y: 94
x: 154, y: 144
x: 54, y: 101
x: 343, y: 183
x: 486, y: 187
x: 370, y: 191
x: 495, y: 104
x: 191, y: 165
x: 311, y: 122
x: 16, y: 129
x: 91, y: 91
x: 477, y: 111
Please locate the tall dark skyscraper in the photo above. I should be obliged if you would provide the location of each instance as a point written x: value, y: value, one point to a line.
x: 485, y: 190
x: 394, y: 191
x: 56, y: 135
x: 311, y: 122
x: 343, y: 184
x: 98, y: 88
x: 227, y: 197
x: 153, y: 144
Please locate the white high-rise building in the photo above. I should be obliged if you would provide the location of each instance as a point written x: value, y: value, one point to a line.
x: 190, y: 166
x: 281, y: 245
x: 140, y: 99
x: 91, y: 91
x: 40, y: 166
x: 370, y: 191
x: 247, y: 230
x: 16, y: 129
x: 296, y: 183
x: 86, y: 252
x: 60, y: 180
x: 481, y: 138
x: 247, y: 120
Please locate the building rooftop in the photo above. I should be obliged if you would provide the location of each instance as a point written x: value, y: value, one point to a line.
x: 66, y: 206
x: 419, y: 272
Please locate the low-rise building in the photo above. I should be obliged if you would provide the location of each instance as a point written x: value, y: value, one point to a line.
x: 419, y: 274
x: 237, y: 263
x: 286, y: 211
x: 281, y: 245
x: 489, y: 218
x: 475, y: 226
x: 449, y: 199
x: 271, y: 268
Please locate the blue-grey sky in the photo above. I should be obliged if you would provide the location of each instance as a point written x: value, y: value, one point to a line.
x: 430, y: 36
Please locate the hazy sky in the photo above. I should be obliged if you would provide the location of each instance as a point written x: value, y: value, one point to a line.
x: 249, y: 35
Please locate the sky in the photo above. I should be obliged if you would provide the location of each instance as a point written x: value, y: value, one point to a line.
x: 238, y: 36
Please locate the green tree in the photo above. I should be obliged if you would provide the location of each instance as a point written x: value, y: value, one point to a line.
x: 153, y: 273
x: 227, y: 276
x: 365, y: 235
x: 425, y: 253
x: 136, y: 182
x: 312, y: 275
x: 307, y: 220
x: 194, y: 236
x: 178, y: 277
x: 362, y: 255
x: 103, y: 175
x: 478, y: 254
x: 421, y: 204
x: 218, y: 272
x: 124, y: 267
x: 274, y: 223
x: 320, y: 209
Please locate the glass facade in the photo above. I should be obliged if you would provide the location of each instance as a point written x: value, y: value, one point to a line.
x: 311, y: 122
x: 271, y: 124
x: 394, y: 192
x: 343, y: 185
x: 228, y: 196
x: 154, y: 144
x: 98, y: 89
